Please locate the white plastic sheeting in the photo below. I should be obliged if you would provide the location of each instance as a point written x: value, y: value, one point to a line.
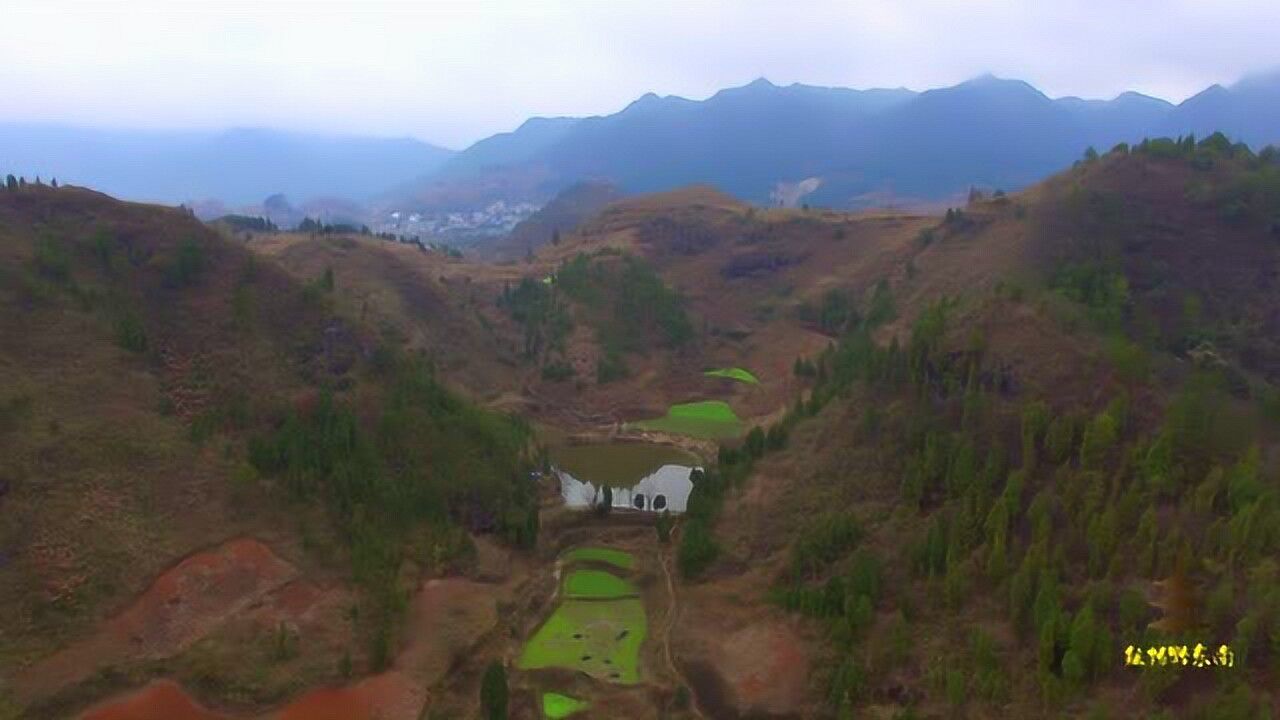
x: 667, y: 488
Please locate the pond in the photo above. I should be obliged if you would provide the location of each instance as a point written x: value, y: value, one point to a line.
x: 644, y: 476
x: 617, y: 464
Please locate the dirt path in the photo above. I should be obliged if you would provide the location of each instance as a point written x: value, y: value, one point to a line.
x: 673, y: 609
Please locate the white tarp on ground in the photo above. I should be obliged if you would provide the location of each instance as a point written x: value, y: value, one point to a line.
x: 667, y: 488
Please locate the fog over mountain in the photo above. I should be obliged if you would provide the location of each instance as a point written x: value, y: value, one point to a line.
x: 846, y: 148
x: 237, y: 166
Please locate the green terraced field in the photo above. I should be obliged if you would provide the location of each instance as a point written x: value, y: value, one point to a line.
x: 597, y: 585
x: 556, y: 706
x: 734, y: 373
x: 601, y: 638
x: 711, y: 419
x: 616, y: 558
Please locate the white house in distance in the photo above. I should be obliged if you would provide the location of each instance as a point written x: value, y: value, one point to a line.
x: 666, y: 489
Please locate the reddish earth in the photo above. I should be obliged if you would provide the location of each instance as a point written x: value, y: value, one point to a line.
x: 186, y: 602
x: 182, y: 605
x: 161, y: 700
x: 389, y: 696
x: 765, y: 667
x: 448, y: 616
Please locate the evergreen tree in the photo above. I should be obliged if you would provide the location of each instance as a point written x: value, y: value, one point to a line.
x: 493, y: 692
x: 605, y: 504
x: 1035, y: 420
x: 663, y: 527
x: 11, y: 182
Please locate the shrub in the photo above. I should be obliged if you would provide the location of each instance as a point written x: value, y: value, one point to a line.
x: 51, y: 259
x: 130, y: 334
x: 187, y: 264
x: 611, y: 367
x: 823, y: 541
x: 557, y: 371
x: 663, y: 527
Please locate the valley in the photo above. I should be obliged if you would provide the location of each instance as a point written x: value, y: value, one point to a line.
x: 694, y: 458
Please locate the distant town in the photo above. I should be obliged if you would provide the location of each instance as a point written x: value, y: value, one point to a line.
x: 497, y: 218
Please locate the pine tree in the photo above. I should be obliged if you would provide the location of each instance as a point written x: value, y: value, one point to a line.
x: 663, y: 527
x: 1035, y: 420
x: 605, y: 505
x: 493, y: 692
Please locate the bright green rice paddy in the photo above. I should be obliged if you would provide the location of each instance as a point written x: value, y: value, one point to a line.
x: 609, y: 556
x: 711, y: 419
x: 601, y: 638
x: 596, y: 585
x: 734, y: 373
x: 556, y: 706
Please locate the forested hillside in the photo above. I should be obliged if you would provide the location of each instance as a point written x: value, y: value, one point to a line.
x: 984, y: 503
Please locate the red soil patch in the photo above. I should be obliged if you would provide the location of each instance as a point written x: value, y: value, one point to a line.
x: 447, y: 618
x: 188, y: 600
x: 389, y: 696
x: 766, y: 667
x: 161, y: 700
x: 181, y: 606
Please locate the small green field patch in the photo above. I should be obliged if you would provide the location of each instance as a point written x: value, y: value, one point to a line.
x: 601, y: 638
x: 556, y: 706
x: 608, y: 556
x: 734, y: 373
x: 597, y: 585
x: 711, y: 419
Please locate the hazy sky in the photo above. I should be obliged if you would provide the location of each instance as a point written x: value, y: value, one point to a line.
x: 453, y: 72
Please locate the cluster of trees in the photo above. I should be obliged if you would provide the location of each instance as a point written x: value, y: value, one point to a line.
x: 622, y: 298
x: 12, y: 182
x: 248, y: 223
x: 639, y: 310
x: 541, y: 309
x: 1250, y: 196
x: 431, y: 459
x: 698, y: 548
x: 309, y: 225
x: 1040, y: 525
x: 837, y: 313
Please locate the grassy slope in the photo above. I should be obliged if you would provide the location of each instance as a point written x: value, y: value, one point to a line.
x: 432, y: 302
x: 952, y: 629
x: 694, y: 238
x: 143, y: 353
x: 105, y: 485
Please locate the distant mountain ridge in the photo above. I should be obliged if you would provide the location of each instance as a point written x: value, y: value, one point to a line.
x: 237, y: 167
x: 862, y: 144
